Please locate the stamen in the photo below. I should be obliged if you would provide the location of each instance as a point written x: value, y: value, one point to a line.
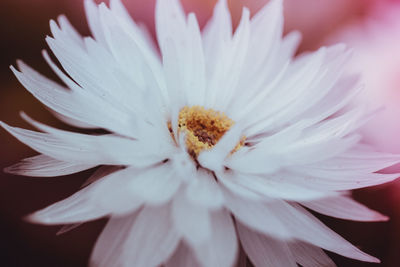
x: 203, y: 128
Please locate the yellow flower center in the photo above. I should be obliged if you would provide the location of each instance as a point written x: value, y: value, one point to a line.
x: 204, y: 128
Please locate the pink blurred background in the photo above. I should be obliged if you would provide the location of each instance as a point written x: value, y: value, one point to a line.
x: 371, y: 27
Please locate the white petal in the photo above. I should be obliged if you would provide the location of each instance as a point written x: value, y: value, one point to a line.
x: 307, y: 228
x: 195, y: 68
x: 217, y: 35
x: 310, y: 152
x: 355, y: 161
x: 237, y: 189
x: 274, y: 186
x: 338, y: 180
x: 44, y: 166
x: 170, y: 21
x: 344, y: 90
x: 258, y: 216
x: 213, y: 159
x: 110, y: 244
x: 191, y: 221
x: 183, y: 165
x: 73, y: 122
x: 295, y: 77
x: 204, y: 191
x: 182, y: 51
x: 93, y: 17
x: 78, y: 104
x: 329, y: 75
x: 152, y: 239
x: 100, y: 173
x: 156, y: 185
x: 113, y: 194
x: 310, y: 256
x: 266, y: 55
x: 266, y: 29
x: 222, y: 249
x: 67, y: 228
x: 234, y: 66
x: 124, y: 49
x: 263, y: 250
x: 139, y: 35
x: 82, y: 148
x: 76, y: 208
x: 106, y: 196
x: 183, y: 257
x: 69, y: 30
x: 344, y: 208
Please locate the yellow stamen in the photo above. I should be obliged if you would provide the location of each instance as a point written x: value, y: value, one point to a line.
x: 204, y: 128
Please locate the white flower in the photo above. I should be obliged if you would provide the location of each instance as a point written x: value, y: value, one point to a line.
x: 224, y: 139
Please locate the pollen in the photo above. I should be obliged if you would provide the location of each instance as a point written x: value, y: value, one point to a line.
x: 204, y: 128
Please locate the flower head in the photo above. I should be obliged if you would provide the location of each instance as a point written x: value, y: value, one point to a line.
x: 223, y: 139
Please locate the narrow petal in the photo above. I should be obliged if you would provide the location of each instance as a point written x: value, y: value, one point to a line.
x: 344, y: 207
x: 310, y: 256
x: 100, y: 173
x: 234, y: 66
x: 75, y: 209
x: 183, y: 257
x: 67, y: 228
x: 103, y: 197
x: 307, y: 228
x: 222, y: 249
x: 338, y: 180
x: 255, y: 214
x: 274, y: 186
x: 77, y: 104
x: 113, y: 193
x: 93, y: 17
x: 205, y: 191
x: 214, y: 159
x: 152, y: 239
x: 265, y: 251
x: 191, y: 221
x: 44, y: 166
x: 69, y: 30
x: 82, y: 148
x: 156, y: 185
x: 217, y: 37
x: 111, y: 242
x: 181, y: 47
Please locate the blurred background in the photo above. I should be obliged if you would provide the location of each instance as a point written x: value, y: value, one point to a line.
x: 370, y: 27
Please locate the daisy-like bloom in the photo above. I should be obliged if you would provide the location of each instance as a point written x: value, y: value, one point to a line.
x: 217, y: 140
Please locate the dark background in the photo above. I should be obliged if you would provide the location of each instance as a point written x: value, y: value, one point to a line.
x: 23, y: 27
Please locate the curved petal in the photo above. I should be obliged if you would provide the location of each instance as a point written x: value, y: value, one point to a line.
x: 156, y: 185
x: 222, y: 249
x: 86, y: 149
x: 204, y: 191
x: 265, y: 251
x: 258, y: 215
x: 344, y: 207
x: 191, y: 221
x: 152, y: 238
x: 106, y: 196
x: 75, y: 209
x: 44, y: 166
x: 307, y: 228
x: 183, y: 257
x: 310, y: 256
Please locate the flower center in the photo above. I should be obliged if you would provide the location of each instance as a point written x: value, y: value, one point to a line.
x: 204, y: 128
